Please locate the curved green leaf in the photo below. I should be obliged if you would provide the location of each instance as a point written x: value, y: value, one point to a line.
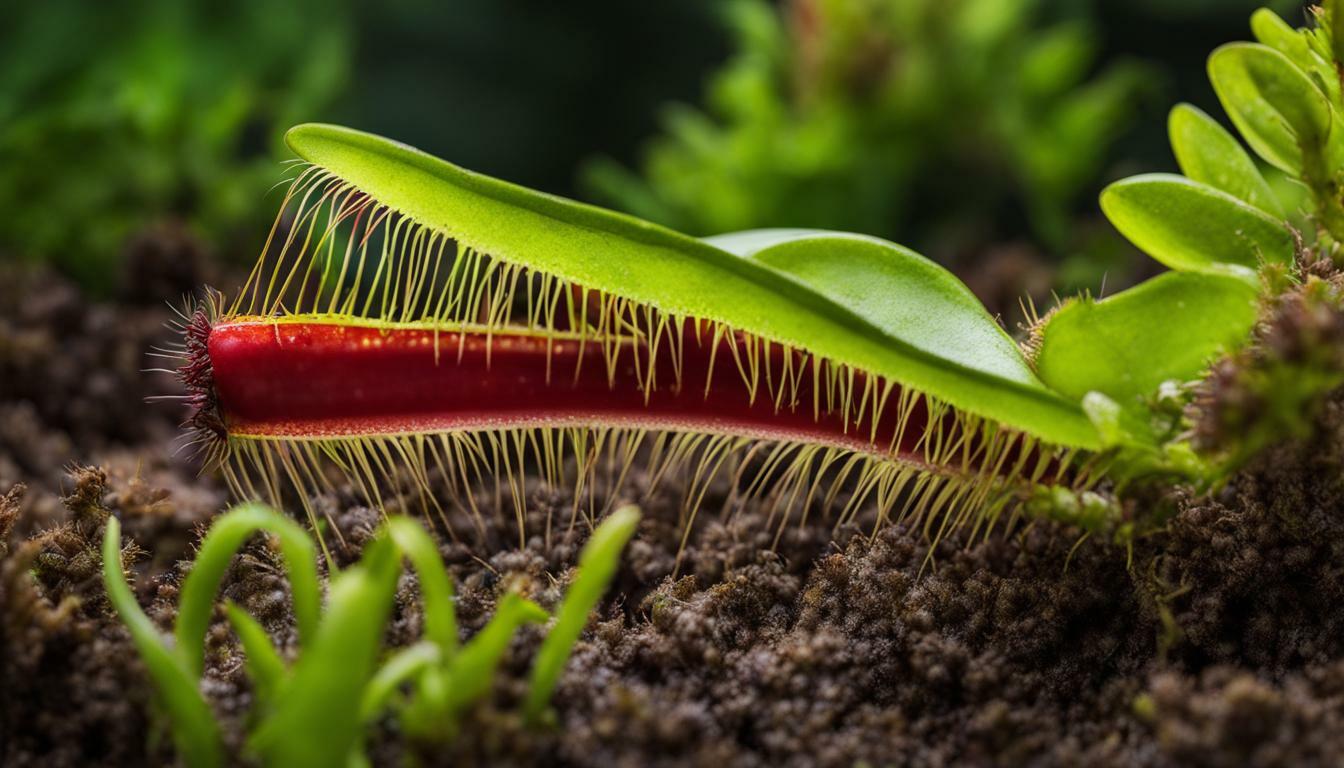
x: 436, y: 585
x: 1274, y: 104
x: 195, y: 733
x: 1278, y: 34
x: 472, y: 672
x: 316, y: 717
x: 1127, y: 345
x: 226, y: 535
x: 677, y: 274
x: 264, y: 664
x: 598, y: 562
x: 897, y: 290
x: 1209, y: 154
x: 403, y: 666
x: 1195, y: 228
x: 1270, y: 29
x: 1334, y: 22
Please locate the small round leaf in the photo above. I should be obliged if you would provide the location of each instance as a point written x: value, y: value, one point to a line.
x: 1193, y: 227
x: 1277, y: 108
x: 1127, y: 345
x: 1209, y: 154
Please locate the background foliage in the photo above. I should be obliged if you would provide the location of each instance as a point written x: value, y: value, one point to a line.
x: 954, y: 127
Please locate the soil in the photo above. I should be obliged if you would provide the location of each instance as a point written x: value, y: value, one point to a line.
x: 1217, y: 642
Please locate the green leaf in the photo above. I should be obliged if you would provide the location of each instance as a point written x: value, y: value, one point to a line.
x: 895, y: 289
x: 1274, y: 104
x: 677, y: 274
x: 405, y: 665
x: 1300, y: 46
x: 227, y: 534
x: 1271, y: 30
x: 1127, y: 345
x: 1195, y: 228
x: 597, y: 566
x: 471, y: 672
x: 195, y: 733
x: 264, y: 664
x: 316, y: 717
x: 1210, y: 155
x: 436, y: 586
x: 1334, y: 22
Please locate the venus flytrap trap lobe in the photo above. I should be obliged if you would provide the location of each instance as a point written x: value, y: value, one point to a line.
x: 410, y: 313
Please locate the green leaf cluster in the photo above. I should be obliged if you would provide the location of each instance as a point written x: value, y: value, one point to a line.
x: 1221, y: 226
x: 312, y: 712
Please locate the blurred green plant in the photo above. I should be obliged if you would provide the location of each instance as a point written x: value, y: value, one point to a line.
x: 115, y: 117
x: 311, y: 712
x: 923, y: 119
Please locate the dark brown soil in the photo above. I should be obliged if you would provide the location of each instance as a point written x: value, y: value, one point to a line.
x: 1218, y: 642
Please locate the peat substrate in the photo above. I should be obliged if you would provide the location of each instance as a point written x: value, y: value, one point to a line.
x: 1218, y: 641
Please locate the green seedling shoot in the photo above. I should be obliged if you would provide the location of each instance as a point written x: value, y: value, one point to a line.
x: 312, y: 712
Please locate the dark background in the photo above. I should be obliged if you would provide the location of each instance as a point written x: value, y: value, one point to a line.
x: 527, y: 89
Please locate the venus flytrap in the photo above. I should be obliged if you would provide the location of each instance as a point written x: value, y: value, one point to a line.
x: 412, y: 316
x: 415, y: 314
x: 380, y: 334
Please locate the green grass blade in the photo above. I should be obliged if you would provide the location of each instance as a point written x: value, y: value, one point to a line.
x: 194, y: 730
x: 1209, y: 154
x: 1127, y: 345
x: 315, y: 720
x: 597, y: 566
x: 674, y: 273
x: 264, y: 664
x: 436, y: 586
x: 226, y: 536
x: 471, y: 672
x: 404, y: 665
x: 1193, y: 227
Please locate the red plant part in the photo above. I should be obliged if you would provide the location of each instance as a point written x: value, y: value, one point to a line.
x: 312, y: 379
